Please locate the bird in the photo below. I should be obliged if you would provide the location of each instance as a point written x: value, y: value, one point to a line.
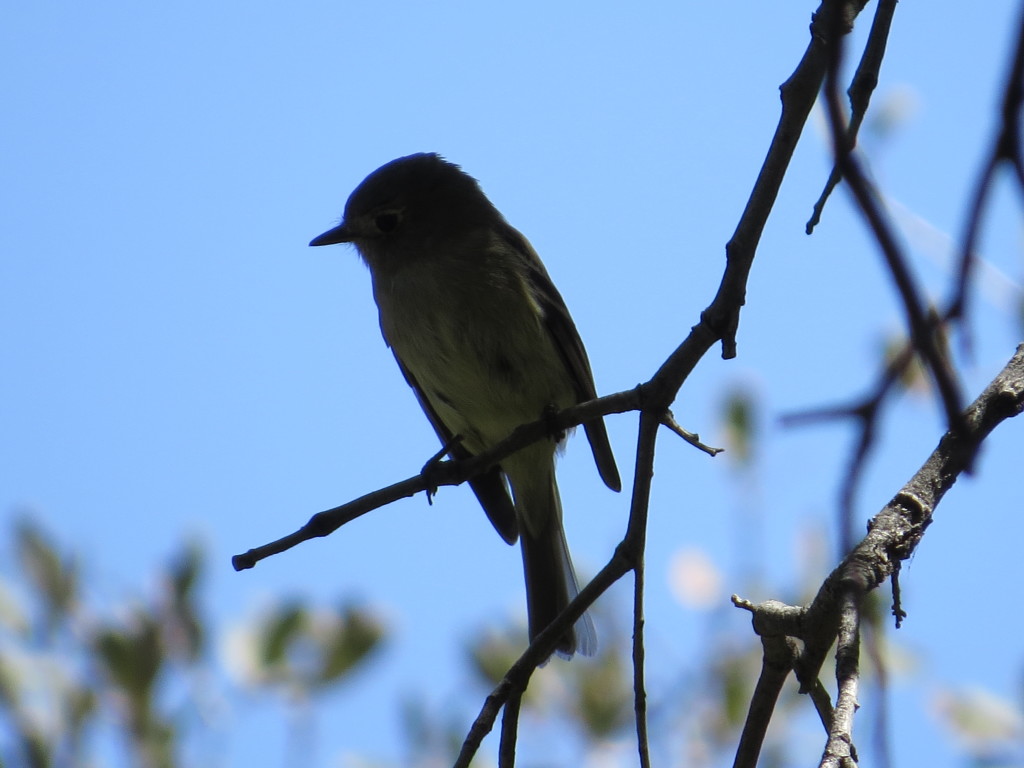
x: 487, y: 344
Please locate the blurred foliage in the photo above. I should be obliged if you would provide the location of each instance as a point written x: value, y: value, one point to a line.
x: 914, y: 377
x: 294, y: 648
x: 69, y: 671
x: 433, y: 735
x: 989, y: 728
x: 1020, y: 314
x: 890, y: 110
x: 54, y: 579
x: 596, y: 692
x: 739, y: 415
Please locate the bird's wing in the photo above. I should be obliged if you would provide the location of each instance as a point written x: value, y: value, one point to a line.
x: 567, y: 340
x: 489, y: 487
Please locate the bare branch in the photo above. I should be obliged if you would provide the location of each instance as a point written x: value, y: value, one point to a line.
x: 1006, y: 148
x: 776, y: 663
x: 718, y: 322
x: 865, y: 80
x: 896, y: 530
x: 892, y: 537
x: 867, y: 414
x: 509, y: 731
x: 639, y: 691
x: 868, y: 201
x: 485, y: 720
x: 873, y: 644
x: 435, y: 474
x: 668, y: 420
x: 798, y: 93
x: 822, y: 702
x: 623, y: 560
x: 840, y: 751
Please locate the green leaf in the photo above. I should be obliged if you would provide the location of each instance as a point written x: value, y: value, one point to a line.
x: 348, y: 642
x: 279, y: 632
x: 184, y: 616
x: 739, y: 414
x: 604, y: 694
x: 493, y: 653
x: 133, y: 657
x: 55, y: 579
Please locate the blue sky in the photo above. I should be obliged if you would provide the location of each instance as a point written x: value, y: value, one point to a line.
x: 178, y: 362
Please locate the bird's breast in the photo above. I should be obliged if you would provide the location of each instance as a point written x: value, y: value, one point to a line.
x: 477, y: 346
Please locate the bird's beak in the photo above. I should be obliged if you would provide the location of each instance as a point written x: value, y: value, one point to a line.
x: 340, y: 234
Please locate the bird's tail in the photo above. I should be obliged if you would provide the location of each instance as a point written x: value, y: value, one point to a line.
x: 550, y: 578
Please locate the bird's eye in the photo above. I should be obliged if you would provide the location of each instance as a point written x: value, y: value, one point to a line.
x: 386, y: 222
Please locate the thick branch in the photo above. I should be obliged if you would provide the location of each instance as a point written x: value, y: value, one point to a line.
x: 895, y: 532
x: 893, y: 535
x: 776, y: 662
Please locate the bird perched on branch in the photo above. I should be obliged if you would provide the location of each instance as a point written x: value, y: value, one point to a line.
x: 487, y: 344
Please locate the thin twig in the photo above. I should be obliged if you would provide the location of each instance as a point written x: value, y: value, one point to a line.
x: 870, y: 206
x: 1006, y: 148
x: 509, y: 730
x: 634, y: 544
x: 623, y: 560
x: 864, y: 82
x: 443, y: 473
x: 874, y: 641
x: 897, y: 599
x: 668, y: 420
x: 840, y: 750
x: 639, y: 690
x: 538, y: 652
x: 798, y: 93
x: 822, y: 703
x: 866, y: 413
